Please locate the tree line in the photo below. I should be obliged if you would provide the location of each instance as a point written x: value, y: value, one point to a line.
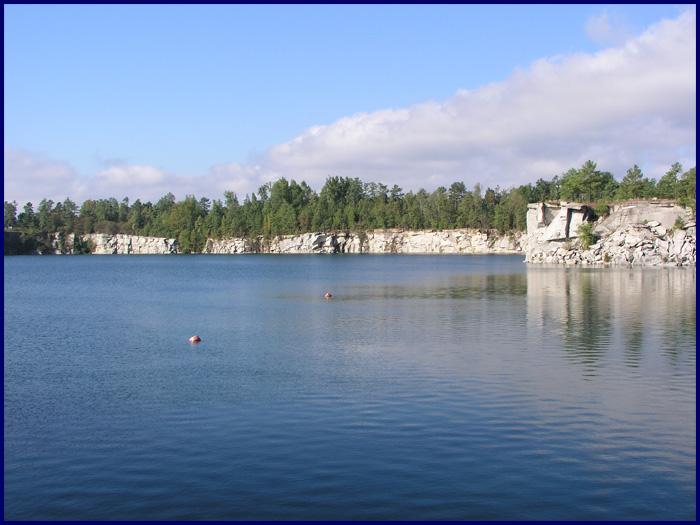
x: 287, y: 207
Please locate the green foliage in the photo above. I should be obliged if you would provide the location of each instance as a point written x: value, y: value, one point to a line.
x: 686, y: 189
x: 601, y: 209
x: 667, y: 187
x: 585, y: 235
x: 286, y: 207
x: 10, y: 215
x: 635, y: 186
x: 587, y: 184
x: 27, y: 220
x: 81, y: 246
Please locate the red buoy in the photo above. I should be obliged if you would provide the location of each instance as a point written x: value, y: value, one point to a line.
x: 195, y: 339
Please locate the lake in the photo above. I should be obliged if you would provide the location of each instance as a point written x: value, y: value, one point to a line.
x: 429, y: 387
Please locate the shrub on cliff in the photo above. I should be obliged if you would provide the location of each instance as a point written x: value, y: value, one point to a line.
x: 585, y: 234
x: 601, y: 210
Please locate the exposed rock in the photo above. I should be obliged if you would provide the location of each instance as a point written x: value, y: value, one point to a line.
x: 660, y: 213
x: 232, y: 246
x: 626, y: 236
x: 556, y: 222
x: 118, y: 244
x: 462, y: 241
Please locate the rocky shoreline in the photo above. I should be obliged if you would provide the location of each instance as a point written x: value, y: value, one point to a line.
x: 634, y: 245
x: 462, y: 241
x: 644, y: 233
x: 648, y: 233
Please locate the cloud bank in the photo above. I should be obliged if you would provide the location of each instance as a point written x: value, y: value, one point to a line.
x: 29, y: 177
x: 634, y: 103
x: 607, y: 29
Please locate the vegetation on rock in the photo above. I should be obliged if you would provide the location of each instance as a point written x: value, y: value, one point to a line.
x: 585, y: 235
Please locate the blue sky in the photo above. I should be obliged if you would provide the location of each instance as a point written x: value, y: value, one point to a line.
x: 184, y: 89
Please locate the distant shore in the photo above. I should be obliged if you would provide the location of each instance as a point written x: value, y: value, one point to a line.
x: 648, y: 233
x: 456, y: 241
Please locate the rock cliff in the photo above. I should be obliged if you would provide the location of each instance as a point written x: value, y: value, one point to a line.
x: 462, y: 241
x: 118, y: 244
x: 649, y: 233
x: 130, y: 244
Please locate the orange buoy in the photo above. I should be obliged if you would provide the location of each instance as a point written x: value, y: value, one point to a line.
x: 328, y: 295
x: 195, y: 339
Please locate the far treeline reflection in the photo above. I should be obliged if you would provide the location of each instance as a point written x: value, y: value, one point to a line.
x: 282, y: 207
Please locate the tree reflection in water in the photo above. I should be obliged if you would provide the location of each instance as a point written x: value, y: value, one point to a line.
x: 597, y: 312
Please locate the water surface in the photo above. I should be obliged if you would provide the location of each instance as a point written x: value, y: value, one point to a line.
x: 436, y: 387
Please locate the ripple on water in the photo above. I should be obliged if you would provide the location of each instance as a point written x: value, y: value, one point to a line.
x: 429, y: 388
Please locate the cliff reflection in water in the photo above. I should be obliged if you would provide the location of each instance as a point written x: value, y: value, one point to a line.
x: 596, y: 313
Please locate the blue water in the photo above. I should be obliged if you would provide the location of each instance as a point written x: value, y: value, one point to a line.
x: 444, y: 387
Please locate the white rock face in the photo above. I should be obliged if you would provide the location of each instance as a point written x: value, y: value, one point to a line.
x: 227, y: 247
x: 462, y: 241
x: 639, y: 233
x: 119, y: 244
x: 662, y: 214
x: 555, y: 222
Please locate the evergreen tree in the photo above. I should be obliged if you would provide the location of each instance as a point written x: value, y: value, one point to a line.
x: 634, y: 185
x: 27, y: 220
x: 10, y: 215
x: 667, y: 187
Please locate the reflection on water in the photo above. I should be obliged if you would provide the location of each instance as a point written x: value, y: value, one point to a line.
x: 449, y: 287
x: 597, y: 311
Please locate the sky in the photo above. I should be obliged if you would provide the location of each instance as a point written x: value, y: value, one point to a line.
x: 136, y: 101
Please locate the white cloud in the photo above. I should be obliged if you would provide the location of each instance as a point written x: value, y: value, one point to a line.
x: 30, y: 177
x: 634, y: 103
x: 607, y: 28
x: 126, y: 176
x: 238, y: 178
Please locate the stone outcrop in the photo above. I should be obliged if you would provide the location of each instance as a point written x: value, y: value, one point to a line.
x: 645, y: 233
x: 228, y: 246
x: 461, y: 241
x: 118, y: 244
x: 458, y: 241
x: 553, y: 222
x: 131, y: 244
